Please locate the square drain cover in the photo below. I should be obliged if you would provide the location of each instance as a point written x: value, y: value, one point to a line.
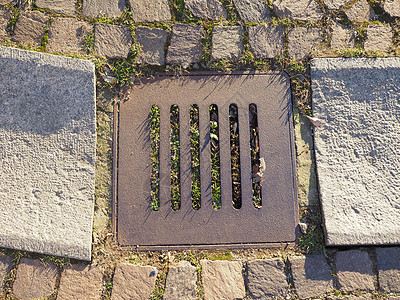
x: 249, y: 114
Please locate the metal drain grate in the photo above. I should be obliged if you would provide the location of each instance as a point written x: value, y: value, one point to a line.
x: 237, y: 98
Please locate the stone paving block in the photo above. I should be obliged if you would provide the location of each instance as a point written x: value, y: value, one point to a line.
x: 67, y: 35
x: 99, y: 8
x: 112, y: 41
x: 133, y: 282
x: 152, y: 42
x: 336, y: 4
x: 342, y: 37
x: 222, y: 279
x: 388, y: 260
x: 4, y: 19
x: 30, y: 27
x: 34, y: 279
x: 66, y: 7
x: 206, y: 9
x: 361, y: 12
x: 181, y: 282
x: 379, y: 38
x: 80, y: 282
x: 391, y: 7
x: 3, y: 2
x: 302, y: 41
x: 308, y: 10
x: 5, y: 267
x: 357, y: 148
x: 255, y: 11
x: 48, y: 134
x: 311, y: 275
x: 266, y: 278
x: 150, y: 10
x: 266, y: 41
x: 354, y: 270
x: 227, y: 42
x: 185, y: 46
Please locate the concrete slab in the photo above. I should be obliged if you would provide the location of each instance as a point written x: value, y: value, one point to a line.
x: 47, y: 150
x: 358, y: 148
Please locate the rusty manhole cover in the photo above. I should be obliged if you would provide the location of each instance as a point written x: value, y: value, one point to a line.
x: 178, y: 181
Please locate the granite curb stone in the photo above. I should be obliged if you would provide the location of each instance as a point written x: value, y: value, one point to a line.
x: 67, y: 35
x: 185, y: 46
x: 150, y: 10
x: 5, y: 267
x: 80, y: 282
x: 4, y: 19
x: 133, y: 282
x: 66, y: 7
x: 112, y: 41
x: 181, y: 282
x: 302, y: 41
x: 107, y: 8
x: 206, y: 9
x: 388, y: 263
x: 222, y: 279
x: 34, y: 280
x: 342, y: 37
x: 356, y: 166
x: 311, y: 275
x: 29, y: 28
x: 379, y: 38
x: 48, y: 130
x: 266, y: 278
x: 266, y: 41
x: 255, y: 11
x: 151, y: 42
x: 354, y: 270
x: 361, y: 12
x: 227, y: 42
x: 307, y: 10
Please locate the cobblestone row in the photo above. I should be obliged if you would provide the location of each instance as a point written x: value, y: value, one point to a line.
x: 310, y: 276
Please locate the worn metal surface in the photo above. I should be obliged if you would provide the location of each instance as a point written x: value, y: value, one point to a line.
x: 136, y: 224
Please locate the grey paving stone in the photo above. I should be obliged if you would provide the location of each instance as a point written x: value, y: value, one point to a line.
x: 302, y: 41
x: 298, y: 9
x: 30, y: 27
x: 361, y: 11
x: 256, y: 11
x: 67, y: 35
x: 266, y: 41
x: 354, y: 270
x: 379, y: 38
x: 3, y: 2
x: 150, y: 10
x: 133, y: 282
x: 66, y: 7
x: 388, y: 261
x: 185, y: 46
x: 152, y: 42
x: 266, y: 278
x: 98, y: 8
x: 222, y: 279
x: 342, y: 37
x: 80, y: 282
x: 112, y: 41
x: 357, y: 148
x: 206, y: 9
x: 311, y: 275
x: 5, y: 267
x: 4, y: 20
x: 227, y: 42
x: 48, y: 134
x: 391, y: 7
x: 181, y: 282
x: 336, y: 4
x: 34, y: 279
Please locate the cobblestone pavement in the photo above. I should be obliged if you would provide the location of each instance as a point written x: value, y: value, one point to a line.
x: 132, y: 38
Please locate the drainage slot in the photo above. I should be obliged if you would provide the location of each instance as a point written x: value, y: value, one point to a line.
x: 155, y: 156
x: 215, y: 158
x: 195, y: 156
x: 235, y: 156
x: 257, y: 168
x: 175, y: 158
